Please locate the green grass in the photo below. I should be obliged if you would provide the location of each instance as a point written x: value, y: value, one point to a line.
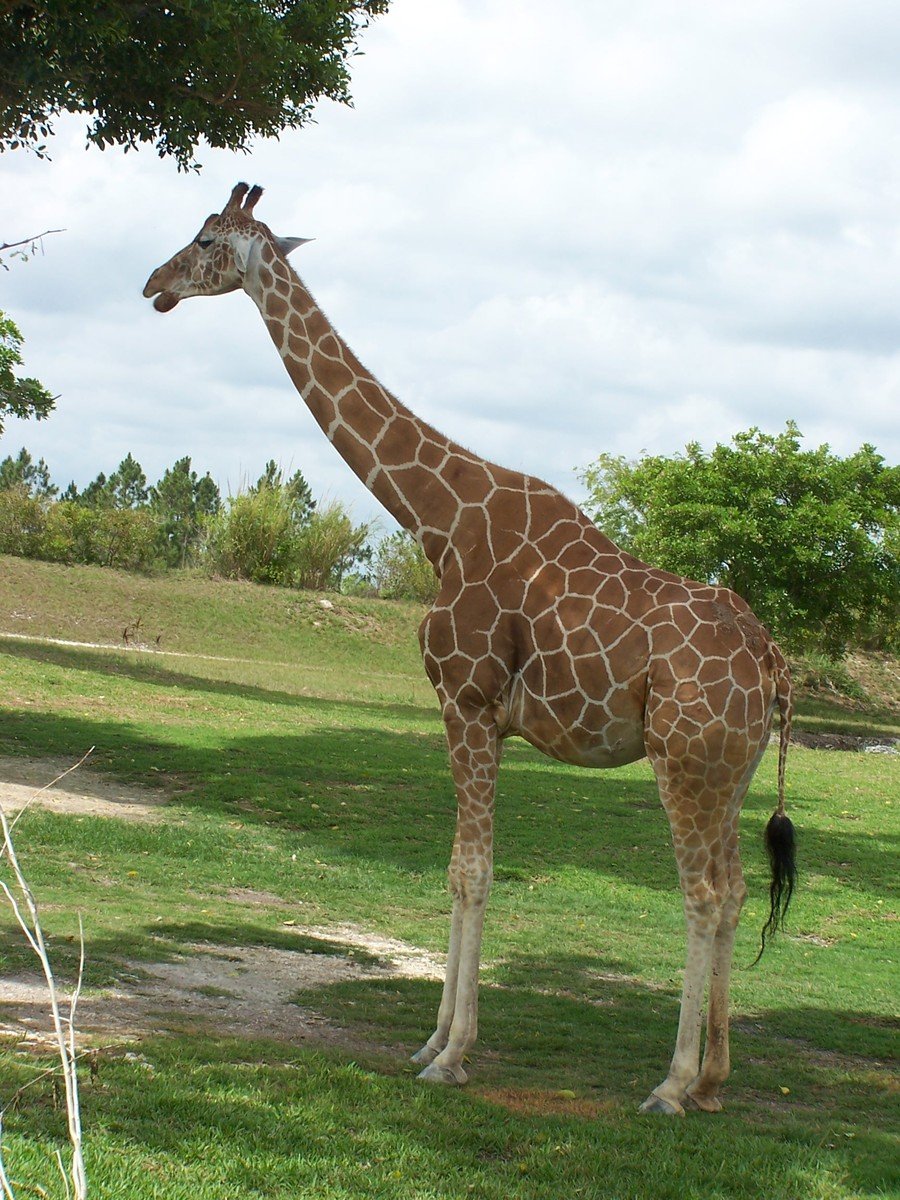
x: 325, y: 786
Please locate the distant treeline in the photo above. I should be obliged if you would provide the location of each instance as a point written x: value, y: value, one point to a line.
x: 809, y: 538
x: 273, y: 531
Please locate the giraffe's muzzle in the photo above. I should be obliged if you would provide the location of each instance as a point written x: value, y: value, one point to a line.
x: 164, y: 300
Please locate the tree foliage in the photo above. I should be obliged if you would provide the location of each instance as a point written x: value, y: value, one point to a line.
x: 809, y: 539
x: 182, y: 502
x: 401, y: 570
x: 255, y: 537
x: 125, y: 488
x: 329, y: 546
x: 31, y: 526
x: 169, y: 74
x: 297, y: 491
x: 18, y: 397
x: 273, y: 533
x: 23, y: 471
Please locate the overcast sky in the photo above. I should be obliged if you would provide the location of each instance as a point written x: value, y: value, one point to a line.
x: 552, y: 230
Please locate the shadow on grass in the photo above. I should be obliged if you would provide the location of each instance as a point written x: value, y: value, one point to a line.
x: 147, y: 671
x: 584, y: 1023
x: 243, y: 1106
x: 375, y: 794
x: 221, y: 1118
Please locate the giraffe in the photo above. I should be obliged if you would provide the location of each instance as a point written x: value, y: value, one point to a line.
x: 544, y: 629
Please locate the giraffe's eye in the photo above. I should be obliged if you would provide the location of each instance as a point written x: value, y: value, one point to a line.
x: 204, y: 243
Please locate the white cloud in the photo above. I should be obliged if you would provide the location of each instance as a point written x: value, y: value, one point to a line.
x: 552, y: 231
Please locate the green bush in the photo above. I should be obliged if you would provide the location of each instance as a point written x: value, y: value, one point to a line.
x: 66, y: 532
x: 107, y: 537
x: 328, y: 546
x: 22, y: 521
x: 402, y: 572
x: 263, y: 536
x: 254, y: 538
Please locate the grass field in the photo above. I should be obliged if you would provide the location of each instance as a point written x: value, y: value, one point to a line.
x: 308, y: 772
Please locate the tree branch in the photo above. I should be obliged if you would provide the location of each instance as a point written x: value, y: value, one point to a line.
x: 29, y: 241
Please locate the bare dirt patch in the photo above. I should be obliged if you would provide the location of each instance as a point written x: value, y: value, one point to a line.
x: 844, y: 741
x: 530, y: 1102
x: 84, y: 791
x: 235, y: 991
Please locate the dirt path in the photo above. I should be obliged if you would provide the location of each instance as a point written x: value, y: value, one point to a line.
x: 23, y: 780
x: 236, y: 991
x: 240, y: 991
x: 135, y: 647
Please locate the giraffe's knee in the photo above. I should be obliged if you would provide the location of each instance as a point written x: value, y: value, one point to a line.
x: 470, y: 882
x: 704, y: 902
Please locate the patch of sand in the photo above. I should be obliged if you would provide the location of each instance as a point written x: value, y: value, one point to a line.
x: 82, y: 791
x: 234, y: 991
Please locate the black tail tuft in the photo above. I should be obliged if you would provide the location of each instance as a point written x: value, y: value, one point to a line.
x: 780, y: 844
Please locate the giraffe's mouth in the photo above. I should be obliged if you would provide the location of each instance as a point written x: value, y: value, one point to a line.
x: 165, y: 301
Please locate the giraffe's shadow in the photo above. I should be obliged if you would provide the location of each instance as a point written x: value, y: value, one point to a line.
x: 390, y: 767
x: 605, y: 1038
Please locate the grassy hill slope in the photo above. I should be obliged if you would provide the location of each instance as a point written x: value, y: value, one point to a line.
x: 328, y: 645
x: 303, y: 640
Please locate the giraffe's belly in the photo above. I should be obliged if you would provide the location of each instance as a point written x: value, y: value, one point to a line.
x: 573, y: 728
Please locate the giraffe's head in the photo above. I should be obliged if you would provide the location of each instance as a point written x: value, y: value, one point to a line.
x: 216, y: 260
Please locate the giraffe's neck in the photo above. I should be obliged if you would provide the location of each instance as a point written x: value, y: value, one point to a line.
x: 400, y: 459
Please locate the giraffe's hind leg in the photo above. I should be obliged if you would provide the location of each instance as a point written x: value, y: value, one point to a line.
x: 703, y: 1092
x: 702, y: 796
x: 702, y: 916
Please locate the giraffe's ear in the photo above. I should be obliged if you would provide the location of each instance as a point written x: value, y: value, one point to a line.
x: 241, y: 246
x: 286, y: 245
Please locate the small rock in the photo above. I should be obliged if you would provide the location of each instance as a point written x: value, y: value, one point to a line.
x: 892, y: 747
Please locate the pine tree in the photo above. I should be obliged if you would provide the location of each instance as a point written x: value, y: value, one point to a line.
x: 182, y: 501
x: 23, y: 471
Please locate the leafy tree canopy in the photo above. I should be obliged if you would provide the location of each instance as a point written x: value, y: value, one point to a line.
x: 18, y: 397
x: 125, y: 488
x: 809, y: 539
x: 169, y: 74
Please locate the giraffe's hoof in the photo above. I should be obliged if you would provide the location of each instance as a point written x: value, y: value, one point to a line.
x: 425, y: 1056
x: 449, y: 1076
x: 710, y: 1104
x: 656, y: 1104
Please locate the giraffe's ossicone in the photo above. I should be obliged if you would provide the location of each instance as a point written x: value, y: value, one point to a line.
x: 543, y: 629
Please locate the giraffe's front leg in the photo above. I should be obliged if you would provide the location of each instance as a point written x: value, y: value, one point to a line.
x: 474, y: 758
x: 441, y: 1035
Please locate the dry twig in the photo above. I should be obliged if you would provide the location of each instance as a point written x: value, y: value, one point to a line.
x: 74, y: 1180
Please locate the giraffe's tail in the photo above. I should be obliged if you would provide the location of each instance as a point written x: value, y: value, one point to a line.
x: 780, y: 839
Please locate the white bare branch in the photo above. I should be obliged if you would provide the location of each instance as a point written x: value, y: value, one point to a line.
x: 29, y: 241
x: 75, y: 1179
